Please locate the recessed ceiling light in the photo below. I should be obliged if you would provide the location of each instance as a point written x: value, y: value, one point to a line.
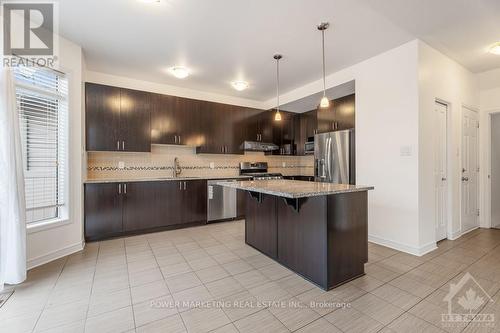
x: 179, y: 72
x: 239, y: 85
x: 495, y: 48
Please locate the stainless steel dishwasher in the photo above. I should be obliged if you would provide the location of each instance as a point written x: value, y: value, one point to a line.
x: 222, y: 201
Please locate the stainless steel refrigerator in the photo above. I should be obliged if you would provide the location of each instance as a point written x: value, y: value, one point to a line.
x: 334, y: 157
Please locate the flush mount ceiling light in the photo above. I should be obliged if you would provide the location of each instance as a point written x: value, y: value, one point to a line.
x: 179, y: 72
x: 495, y: 48
x: 277, y: 115
x: 324, y: 103
x: 239, y: 85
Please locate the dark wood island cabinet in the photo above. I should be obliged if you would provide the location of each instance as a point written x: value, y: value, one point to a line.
x: 318, y: 230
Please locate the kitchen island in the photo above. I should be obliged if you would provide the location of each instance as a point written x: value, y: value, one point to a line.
x: 318, y: 230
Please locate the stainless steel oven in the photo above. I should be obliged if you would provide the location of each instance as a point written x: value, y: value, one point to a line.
x: 309, y: 146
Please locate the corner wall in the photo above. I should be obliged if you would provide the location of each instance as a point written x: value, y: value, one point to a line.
x: 441, y: 78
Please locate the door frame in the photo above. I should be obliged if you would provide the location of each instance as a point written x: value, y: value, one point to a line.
x: 449, y: 216
x: 479, y: 203
x: 486, y: 175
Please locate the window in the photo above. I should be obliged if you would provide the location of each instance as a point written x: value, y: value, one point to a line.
x: 42, y: 104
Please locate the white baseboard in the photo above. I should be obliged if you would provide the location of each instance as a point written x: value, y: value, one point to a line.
x: 416, y: 251
x: 457, y: 234
x: 43, y: 259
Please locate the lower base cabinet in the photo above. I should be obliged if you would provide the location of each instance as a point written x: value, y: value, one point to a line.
x: 114, y: 209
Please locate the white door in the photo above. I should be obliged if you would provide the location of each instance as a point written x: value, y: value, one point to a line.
x: 470, y: 169
x: 440, y: 170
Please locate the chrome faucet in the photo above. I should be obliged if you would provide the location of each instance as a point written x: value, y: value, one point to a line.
x: 177, y: 168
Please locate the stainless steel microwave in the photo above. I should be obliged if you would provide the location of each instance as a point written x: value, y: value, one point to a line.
x: 309, y: 147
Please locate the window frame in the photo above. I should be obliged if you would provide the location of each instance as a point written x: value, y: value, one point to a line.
x: 62, y: 129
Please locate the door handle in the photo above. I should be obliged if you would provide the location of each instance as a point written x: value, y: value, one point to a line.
x: 125, y: 188
x: 119, y: 188
x: 443, y: 179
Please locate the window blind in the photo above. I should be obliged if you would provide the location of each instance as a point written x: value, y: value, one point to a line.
x: 41, y: 98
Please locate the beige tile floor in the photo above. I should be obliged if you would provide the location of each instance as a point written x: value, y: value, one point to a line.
x: 164, y: 282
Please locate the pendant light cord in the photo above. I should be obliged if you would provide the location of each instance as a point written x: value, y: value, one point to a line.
x: 324, y: 72
x: 278, y: 84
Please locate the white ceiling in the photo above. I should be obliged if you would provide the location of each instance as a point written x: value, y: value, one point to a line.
x: 225, y: 40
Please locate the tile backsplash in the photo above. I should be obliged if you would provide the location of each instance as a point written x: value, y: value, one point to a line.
x: 159, y: 163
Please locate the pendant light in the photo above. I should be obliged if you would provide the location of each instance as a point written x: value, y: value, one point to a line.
x: 277, y: 115
x: 324, y: 103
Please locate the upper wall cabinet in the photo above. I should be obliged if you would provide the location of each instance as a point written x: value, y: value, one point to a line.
x: 338, y: 116
x: 117, y: 119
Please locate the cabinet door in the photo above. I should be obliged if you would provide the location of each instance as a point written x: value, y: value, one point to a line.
x: 188, y: 121
x: 302, y: 237
x: 164, y: 119
x: 252, y: 122
x: 235, y: 136
x: 102, y: 117
x: 266, y: 121
x: 344, y: 112
x: 194, y: 201
x: 139, y: 204
x: 135, y: 120
x: 212, y: 118
x: 169, y: 201
x: 261, y: 225
x: 311, y: 123
x: 103, y: 210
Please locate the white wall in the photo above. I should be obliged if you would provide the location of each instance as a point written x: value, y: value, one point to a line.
x: 386, y: 121
x: 48, y: 244
x: 444, y: 79
x: 489, y: 104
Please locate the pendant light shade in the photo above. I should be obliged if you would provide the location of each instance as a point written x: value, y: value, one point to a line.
x: 324, y: 103
x: 277, y: 115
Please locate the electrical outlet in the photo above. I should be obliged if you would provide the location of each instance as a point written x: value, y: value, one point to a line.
x: 283, y: 164
x: 121, y: 165
x: 212, y: 165
x: 405, y: 151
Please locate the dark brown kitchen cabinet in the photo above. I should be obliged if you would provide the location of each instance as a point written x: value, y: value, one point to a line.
x: 139, y: 205
x: 103, y: 210
x: 338, y: 116
x: 135, y: 120
x: 115, y: 209
x: 117, y: 119
x: 165, y: 119
x: 102, y: 117
x: 284, y: 134
x: 260, y: 224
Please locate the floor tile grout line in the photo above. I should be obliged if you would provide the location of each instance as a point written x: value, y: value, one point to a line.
x: 48, y: 296
x: 91, y: 288
x: 165, y: 282
x: 129, y: 287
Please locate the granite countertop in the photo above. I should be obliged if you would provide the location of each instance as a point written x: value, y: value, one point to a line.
x: 161, y: 179
x: 294, y: 188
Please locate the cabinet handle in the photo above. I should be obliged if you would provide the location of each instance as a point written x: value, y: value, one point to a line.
x: 179, y: 139
x: 117, y: 145
x: 180, y: 185
x: 184, y: 186
x: 175, y: 138
x: 123, y: 145
x: 119, y: 188
x: 125, y: 188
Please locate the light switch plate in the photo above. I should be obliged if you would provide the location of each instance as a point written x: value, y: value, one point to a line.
x: 405, y: 151
x: 212, y: 165
x: 121, y: 165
